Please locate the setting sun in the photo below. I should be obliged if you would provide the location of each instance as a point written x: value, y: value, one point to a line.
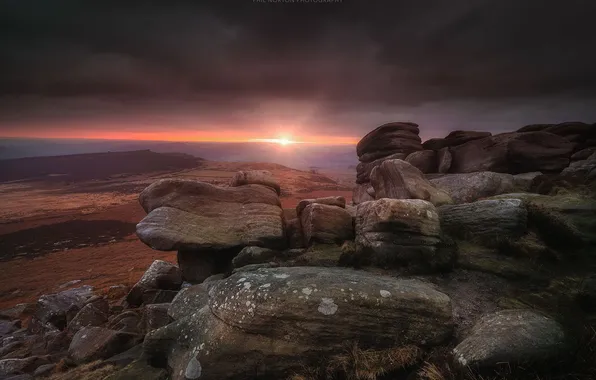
x: 281, y: 141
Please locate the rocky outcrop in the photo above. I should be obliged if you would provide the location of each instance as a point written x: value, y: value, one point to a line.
x: 389, y: 139
x: 512, y: 153
x: 255, y: 177
x: 463, y: 188
x: 399, y: 232
x: 330, y: 201
x: 398, y: 179
x: 489, y: 222
x: 443, y: 160
x: 160, y: 275
x: 454, y: 138
x: 253, y: 255
x: 364, y: 169
x: 512, y: 337
x: 58, y: 309
x: 424, y: 160
x: 93, y: 343
x: 284, y: 318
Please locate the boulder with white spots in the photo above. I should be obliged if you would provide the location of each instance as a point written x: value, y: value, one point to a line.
x: 512, y: 337
x: 280, y: 319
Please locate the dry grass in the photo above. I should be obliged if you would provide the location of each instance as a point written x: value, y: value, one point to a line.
x: 91, y: 371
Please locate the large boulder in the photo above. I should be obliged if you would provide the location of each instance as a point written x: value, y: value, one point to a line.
x: 281, y: 319
x: 512, y: 337
x: 454, y: 138
x: 424, y: 160
x: 57, y: 309
x: 362, y: 193
x: 170, y: 229
x: 399, y: 231
x: 583, y: 154
x: 363, y: 169
x: 160, y: 275
x: 253, y: 255
x: 94, y: 343
x: 326, y: 224
x: 512, y: 153
x: 489, y: 222
x: 255, y: 177
x: 397, y: 179
x: 443, y: 160
x: 389, y: 139
x: 470, y: 187
x: 89, y: 315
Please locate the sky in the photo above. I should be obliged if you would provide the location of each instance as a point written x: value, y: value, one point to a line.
x: 319, y: 71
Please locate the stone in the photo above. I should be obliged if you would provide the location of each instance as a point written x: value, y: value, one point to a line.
x: 361, y: 193
x: 255, y: 177
x: 19, y: 311
x: 116, y: 292
x: 489, y: 222
x: 443, y: 160
x: 512, y: 337
x: 470, y: 187
x: 282, y: 318
x: 363, y: 169
x: 399, y: 231
x: 188, y: 301
x: 170, y: 229
x: 580, y: 169
x: 454, y: 138
x: 253, y: 255
x: 389, y: 139
x: 160, y: 275
x: 20, y: 366
x: 200, y: 197
x: 54, y: 308
x: 95, y: 343
x: 397, y: 179
x: 294, y: 233
x: 9, y: 327
x: 523, y: 181
x: 44, y: 370
x: 583, y: 154
x: 424, y: 160
x: 156, y: 316
x: 512, y: 153
x: 153, y: 296
x: 326, y: 224
x: 89, y: 315
x: 128, y: 322
x: 337, y: 201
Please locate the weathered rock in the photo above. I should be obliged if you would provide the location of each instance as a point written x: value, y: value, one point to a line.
x: 362, y: 193
x: 170, y: 229
x: 326, y: 224
x: 44, y: 370
x: 580, y: 169
x: 255, y: 177
x: 389, y: 139
x: 253, y: 255
x: 443, y: 160
x: 203, y: 198
x: 398, y: 179
x: 512, y: 153
x: 424, y: 160
x: 489, y: 222
x: 156, y: 316
x: 337, y: 201
x: 470, y: 187
x: 364, y: 169
x: 20, y: 366
x: 153, y: 296
x: 512, y: 336
x: 89, y: 315
x: 399, y: 232
x: 94, y: 343
x: 8, y: 327
x: 55, y: 308
x: 284, y: 317
x: 19, y: 311
x: 160, y: 275
x: 188, y: 301
x: 523, y: 181
x: 128, y: 322
x: 583, y: 154
x: 454, y: 138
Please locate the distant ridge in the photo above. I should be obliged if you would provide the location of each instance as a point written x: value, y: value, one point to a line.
x: 78, y: 167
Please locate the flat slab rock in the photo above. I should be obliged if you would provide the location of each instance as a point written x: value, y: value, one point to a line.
x: 512, y: 336
x: 277, y: 319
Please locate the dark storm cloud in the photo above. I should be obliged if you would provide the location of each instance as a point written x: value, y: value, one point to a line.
x: 224, y: 58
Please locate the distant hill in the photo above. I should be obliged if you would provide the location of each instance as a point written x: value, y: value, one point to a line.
x: 79, y: 167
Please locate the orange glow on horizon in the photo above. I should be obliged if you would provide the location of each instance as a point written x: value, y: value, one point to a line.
x: 224, y: 136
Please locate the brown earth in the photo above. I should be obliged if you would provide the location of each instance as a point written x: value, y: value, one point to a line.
x: 52, y: 233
